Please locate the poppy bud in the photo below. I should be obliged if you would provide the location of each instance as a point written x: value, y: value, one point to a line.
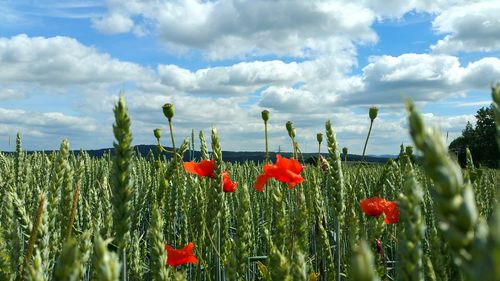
x: 378, y: 243
x: 289, y: 128
x: 265, y: 115
x: 157, y: 133
x: 344, y: 151
x: 373, y: 112
x: 168, y: 110
x: 319, y: 137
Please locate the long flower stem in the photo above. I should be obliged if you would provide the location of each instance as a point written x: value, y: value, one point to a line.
x: 267, y: 147
x: 366, y: 142
x: 172, y: 136
x: 319, y: 154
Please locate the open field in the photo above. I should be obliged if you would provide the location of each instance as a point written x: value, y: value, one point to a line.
x: 67, y: 217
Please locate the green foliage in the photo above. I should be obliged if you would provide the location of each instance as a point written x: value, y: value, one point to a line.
x: 67, y: 267
x: 480, y: 139
x: 308, y: 232
x: 362, y: 264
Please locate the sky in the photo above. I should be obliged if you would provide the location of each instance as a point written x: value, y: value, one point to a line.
x: 64, y: 64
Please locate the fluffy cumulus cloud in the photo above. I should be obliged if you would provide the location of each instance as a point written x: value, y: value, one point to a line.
x: 61, y: 61
x: 422, y: 77
x: 240, y: 78
x: 471, y: 27
x: 227, y: 28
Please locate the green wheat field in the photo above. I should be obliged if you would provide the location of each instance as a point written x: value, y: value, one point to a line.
x: 68, y: 217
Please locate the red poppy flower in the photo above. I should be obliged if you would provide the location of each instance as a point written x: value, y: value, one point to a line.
x: 203, y: 169
x: 285, y: 170
x: 206, y: 169
x: 391, y: 212
x: 375, y: 206
x: 229, y: 186
x: 178, y: 257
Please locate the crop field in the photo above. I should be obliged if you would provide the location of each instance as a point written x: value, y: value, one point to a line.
x: 128, y: 217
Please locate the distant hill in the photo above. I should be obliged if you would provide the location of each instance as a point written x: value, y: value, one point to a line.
x: 228, y: 156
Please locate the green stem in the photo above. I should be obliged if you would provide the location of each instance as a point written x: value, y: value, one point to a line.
x: 192, y: 146
x: 218, y: 257
x: 124, y: 264
x: 319, y: 154
x: 294, y: 151
x: 337, y: 252
x: 267, y: 147
x: 172, y: 136
x: 366, y: 142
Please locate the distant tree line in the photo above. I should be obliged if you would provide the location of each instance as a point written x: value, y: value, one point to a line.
x: 480, y: 139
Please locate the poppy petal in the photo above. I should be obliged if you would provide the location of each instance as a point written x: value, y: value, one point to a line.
x: 229, y: 186
x: 391, y: 213
x: 189, y: 247
x: 190, y: 167
x: 283, y: 175
x: 182, y: 256
x: 206, y: 168
x: 373, y: 206
x: 288, y: 164
x: 203, y: 169
x: 261, y: 181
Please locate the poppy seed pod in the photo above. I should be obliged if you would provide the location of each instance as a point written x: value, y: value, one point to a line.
x: 168, y: 110
x: 373, y: 112
x: 319, y: 137
x: 289, y: 128
x: 265, y: 115
x: 344, y: 151
x: 157, y: 133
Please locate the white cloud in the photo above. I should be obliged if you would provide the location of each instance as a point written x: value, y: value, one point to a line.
x: 47, y: 120
x: 113, y: 23
x: 469, y: 28
x: 61, y: 61
x: 422, y: 77
x: 482, y: 73
x: 241, y: 78
x: 44, y: 130
x: 454, y: 124
x: 396, y: 9
x: 474, y: 103
x: 288, y: 99
x: 227, y: 28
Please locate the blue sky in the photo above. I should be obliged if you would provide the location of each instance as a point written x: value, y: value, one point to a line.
x: 222, y: 62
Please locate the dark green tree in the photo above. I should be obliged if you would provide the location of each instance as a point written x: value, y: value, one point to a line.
x: 480, y: 140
